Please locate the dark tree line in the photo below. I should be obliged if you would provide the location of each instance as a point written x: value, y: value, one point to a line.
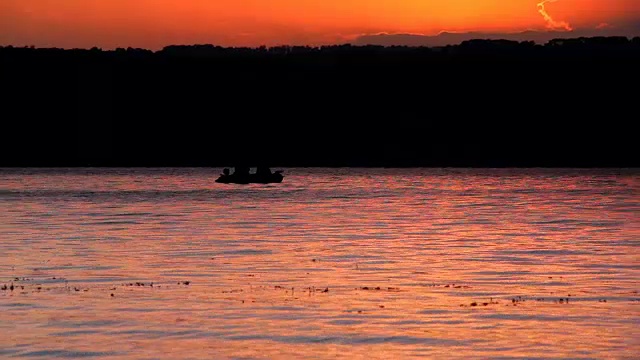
x: 570, y: 102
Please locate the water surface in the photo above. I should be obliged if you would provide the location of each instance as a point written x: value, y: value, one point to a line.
x: 332, y: 263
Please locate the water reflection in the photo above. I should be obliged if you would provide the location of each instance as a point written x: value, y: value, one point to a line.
x: 331, y: 263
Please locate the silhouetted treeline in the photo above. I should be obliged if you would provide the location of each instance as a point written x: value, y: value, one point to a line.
x: 570, y: 102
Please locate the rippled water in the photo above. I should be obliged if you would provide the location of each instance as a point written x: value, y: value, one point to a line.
x: 332, y: 263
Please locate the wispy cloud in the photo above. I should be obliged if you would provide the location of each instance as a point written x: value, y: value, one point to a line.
x: 551, y: 23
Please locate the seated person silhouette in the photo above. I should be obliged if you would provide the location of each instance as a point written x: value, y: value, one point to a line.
x: 241, y: 171
x: 263, y: 171
x: 225, y: 172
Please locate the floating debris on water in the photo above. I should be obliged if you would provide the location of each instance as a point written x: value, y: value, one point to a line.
x: 377, y: 288
x: 232, y: 291
x: 139, y: 284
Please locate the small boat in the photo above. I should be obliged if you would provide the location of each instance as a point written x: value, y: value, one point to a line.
x: 273, y: 178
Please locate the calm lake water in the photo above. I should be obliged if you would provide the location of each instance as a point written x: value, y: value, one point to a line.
x: 332, y: 263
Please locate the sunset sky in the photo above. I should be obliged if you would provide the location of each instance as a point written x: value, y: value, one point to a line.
x: 157, y: 23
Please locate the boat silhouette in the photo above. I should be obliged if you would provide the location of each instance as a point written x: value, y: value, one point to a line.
x: 266, y: 178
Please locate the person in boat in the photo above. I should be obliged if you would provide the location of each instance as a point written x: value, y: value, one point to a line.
x: 241, y: 172
x: 263, y: 171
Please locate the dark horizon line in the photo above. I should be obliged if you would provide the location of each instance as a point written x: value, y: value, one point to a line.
x: 346, y: 44
x: 200, y: 106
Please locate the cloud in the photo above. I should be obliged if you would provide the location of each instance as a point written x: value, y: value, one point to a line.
x: 603, y: 26
x: 450, y: 38
x: 551, y: 23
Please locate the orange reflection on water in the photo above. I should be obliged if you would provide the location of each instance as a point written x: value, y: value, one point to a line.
x: 331, y: 263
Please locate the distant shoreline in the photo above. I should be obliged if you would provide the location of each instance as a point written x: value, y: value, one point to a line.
x: 483, y: 103
x: 442, y: 40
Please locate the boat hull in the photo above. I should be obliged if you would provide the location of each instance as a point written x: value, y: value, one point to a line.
x: 251, y: 179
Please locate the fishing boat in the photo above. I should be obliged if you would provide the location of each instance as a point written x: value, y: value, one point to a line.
x: 262, y: 178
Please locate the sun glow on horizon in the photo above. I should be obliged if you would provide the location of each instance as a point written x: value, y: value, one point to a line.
x: 157, y: 23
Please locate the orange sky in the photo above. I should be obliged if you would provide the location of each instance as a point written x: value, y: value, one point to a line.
x: 156, y: 23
